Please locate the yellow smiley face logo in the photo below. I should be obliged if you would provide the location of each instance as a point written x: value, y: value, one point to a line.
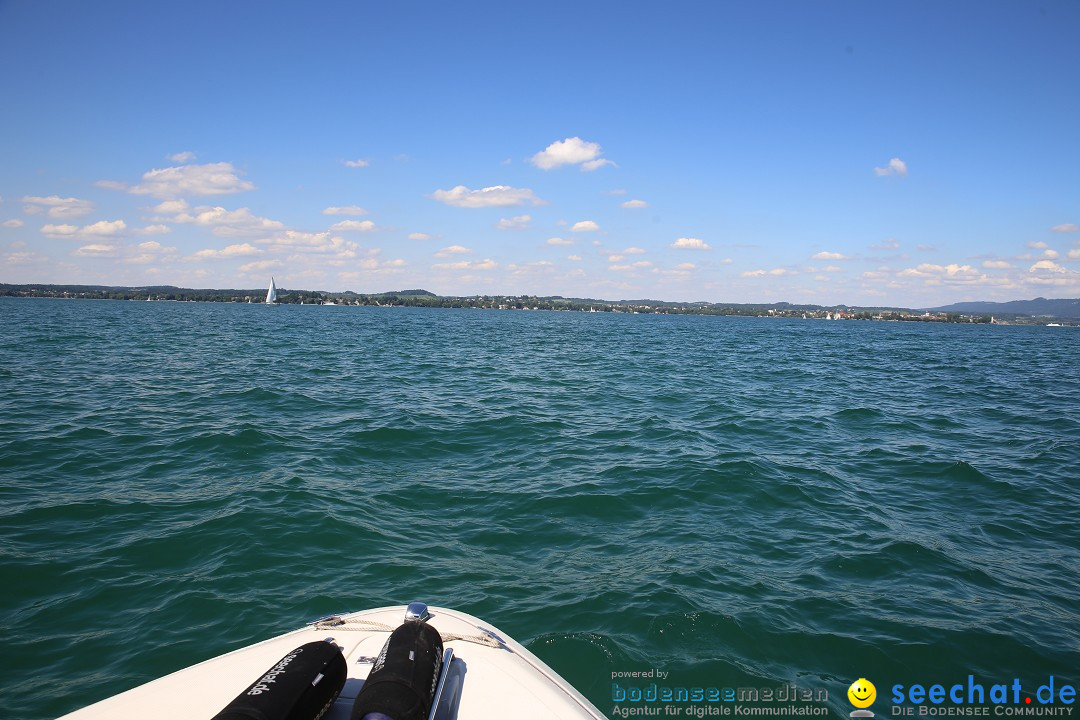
x: 862, y: 693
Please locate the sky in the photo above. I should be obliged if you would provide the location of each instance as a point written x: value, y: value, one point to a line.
x: 882, y: 152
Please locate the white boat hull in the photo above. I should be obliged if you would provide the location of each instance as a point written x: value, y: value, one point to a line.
x: 500, y: 677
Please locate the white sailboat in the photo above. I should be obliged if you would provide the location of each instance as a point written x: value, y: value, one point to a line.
x: 271, y: 294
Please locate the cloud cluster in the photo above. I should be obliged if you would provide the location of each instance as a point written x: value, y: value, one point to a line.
x: 58, y: 207
x: 353, y: 226
x: 226, y: 223
x: 585, y: 226
x: 494, y: 196
x: 345, y: 210
x: 100, y: 229
x: 453, y: 250
x: 687, y: 243
x: 778, y: 271
x: 208, y: 179
x: 232, y: 251
x: 485, y: 264
x: 519, y: 222
x: 896, y: 166
x: 632, y: 204
x: 571, y: 151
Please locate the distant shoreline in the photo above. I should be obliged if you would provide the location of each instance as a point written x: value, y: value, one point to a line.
x: 422, y: 298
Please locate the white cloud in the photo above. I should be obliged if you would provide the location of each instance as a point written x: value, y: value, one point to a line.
x: 691, y: 244
x: 614, y: 258
x: 585, y: 226
x: 559, y: 241
x: 60, y: 231
x: 209, y: 179
x: 727, y: 261
x: 356, y: 163
x: 1047, y: 265
x: 952, y: 274
x: 148, y: 252
x: 1037, y: 245
x: 686, y: 266
x: 304, y: 243
x: 182, y: 157
x: 634, y: 204
x: 775, y: 271
x: 485, y: 264
x: 1052, y: 254
x: 229, y: 223
x: 239, y: 250
x: 100, y: 229
x: 353, y: 226
x: 96, y: 250
x: 260, y: 265
x: 59, y: 208
x: 575, y: 258
x: 419, y: 236
x: 452, y: 250
x: 571, y: 151
x: 824, y: 255
x: 889, y: 244
x: 22, y: 258
x: 996, y: 264
x: 345, y: 210
x: 634, y: 251
x: 896, y: 166
x: 153, y: 230
x: 1074, y: 254
x: 596, y: 164
x: 519, y: 222
x: 1066, y: 228
x: 494, y: 196
x: 171, y: 207
x: 13, y: 223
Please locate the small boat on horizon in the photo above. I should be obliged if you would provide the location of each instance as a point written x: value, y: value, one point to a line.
x: 271, y: 294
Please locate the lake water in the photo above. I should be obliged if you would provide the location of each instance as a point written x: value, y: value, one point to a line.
x: 737, y: 501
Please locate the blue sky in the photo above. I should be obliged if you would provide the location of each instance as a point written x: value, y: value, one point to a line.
x: 899, y: 153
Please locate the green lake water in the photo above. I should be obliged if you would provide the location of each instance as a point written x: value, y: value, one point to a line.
x: 737, y: 501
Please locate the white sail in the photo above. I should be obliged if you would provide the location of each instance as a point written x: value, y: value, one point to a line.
x: 271, y: 294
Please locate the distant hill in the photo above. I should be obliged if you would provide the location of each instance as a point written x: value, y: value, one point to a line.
x: 1060, y: 308
x: 423, y: 293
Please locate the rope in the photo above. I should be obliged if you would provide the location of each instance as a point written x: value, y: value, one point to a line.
x: 339, y: 624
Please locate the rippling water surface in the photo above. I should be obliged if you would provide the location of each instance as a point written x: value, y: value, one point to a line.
x: 735, y: 501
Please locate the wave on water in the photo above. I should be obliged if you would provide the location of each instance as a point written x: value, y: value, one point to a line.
x: 741, y: 502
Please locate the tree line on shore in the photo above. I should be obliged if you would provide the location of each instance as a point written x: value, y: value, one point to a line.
x: 423, y: 298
